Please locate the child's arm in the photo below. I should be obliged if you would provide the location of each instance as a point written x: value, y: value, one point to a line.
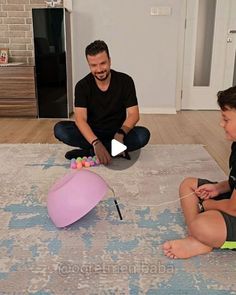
x: 223, y: 187
x: 211, y: 190
x: 227, y: 205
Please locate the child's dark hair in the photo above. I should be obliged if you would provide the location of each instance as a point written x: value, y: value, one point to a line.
x: 227, y: 98
x: 96, y: 47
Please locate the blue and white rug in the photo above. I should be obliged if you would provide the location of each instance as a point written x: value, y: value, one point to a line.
x: 101, y: 254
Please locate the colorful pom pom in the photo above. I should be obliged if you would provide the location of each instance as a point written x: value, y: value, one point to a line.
x: 79, y: 165
x: 84, y: 162
x: 73, y: 165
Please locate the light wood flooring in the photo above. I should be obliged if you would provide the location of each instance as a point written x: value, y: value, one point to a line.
x: 186, y: 127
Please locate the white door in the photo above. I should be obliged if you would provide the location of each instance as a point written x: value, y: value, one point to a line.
x: 206, y: 37
x: 230, y: 65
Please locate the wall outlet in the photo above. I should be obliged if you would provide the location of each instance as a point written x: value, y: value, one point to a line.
x: 164, y: 11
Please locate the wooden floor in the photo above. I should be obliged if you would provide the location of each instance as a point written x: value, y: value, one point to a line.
x: 186, y: 127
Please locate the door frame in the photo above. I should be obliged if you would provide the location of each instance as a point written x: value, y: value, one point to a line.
x: 181, y: 57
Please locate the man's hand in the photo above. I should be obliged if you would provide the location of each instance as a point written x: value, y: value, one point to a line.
x: 102, y: 153
x: 119, y: 137
x: 207, y: 191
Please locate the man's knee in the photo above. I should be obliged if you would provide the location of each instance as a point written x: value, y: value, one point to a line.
x: 60, y: 132
x: 57, y: 130
x: 143, y: 135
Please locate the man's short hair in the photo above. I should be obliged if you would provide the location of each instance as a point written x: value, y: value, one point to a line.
x: 227, y: 98
x: 96, y: 47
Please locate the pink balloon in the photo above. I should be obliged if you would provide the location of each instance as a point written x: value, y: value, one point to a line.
x: 75, y: 195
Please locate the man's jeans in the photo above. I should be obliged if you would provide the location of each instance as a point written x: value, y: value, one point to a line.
x: 68, y: 133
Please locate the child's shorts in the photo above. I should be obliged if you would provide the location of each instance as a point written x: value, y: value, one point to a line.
x: 230, y: 220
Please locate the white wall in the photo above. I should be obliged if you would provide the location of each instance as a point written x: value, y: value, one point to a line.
x: 141, y: 45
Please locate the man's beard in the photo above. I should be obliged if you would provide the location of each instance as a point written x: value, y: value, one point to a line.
x: 104, y: 78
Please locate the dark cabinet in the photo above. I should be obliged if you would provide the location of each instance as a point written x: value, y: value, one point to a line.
x: 52, y: 45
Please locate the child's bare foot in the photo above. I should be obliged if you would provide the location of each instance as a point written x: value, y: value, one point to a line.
x: 184, y: 248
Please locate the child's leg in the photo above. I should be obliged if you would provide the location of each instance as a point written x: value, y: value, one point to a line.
x: 208, y: 231
x: 189, y: 203
x: 210, y: 228
x: 185, y: 248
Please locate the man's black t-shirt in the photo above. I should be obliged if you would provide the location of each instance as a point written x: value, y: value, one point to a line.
x: 106, y: 110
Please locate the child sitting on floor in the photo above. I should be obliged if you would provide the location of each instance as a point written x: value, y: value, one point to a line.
x: 210, y: 208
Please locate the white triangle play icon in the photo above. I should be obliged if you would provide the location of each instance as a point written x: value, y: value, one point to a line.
x: 117, y: 147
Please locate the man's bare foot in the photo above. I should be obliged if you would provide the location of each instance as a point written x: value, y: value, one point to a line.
x: 184, y: 248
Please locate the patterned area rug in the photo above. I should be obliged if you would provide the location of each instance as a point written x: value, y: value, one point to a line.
x: 101, y: 254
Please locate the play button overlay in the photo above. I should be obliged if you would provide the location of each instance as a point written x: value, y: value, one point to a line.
x: 117, y: 147
x: 120, y: 161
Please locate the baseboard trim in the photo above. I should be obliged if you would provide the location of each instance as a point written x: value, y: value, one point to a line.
x: 157, y: 110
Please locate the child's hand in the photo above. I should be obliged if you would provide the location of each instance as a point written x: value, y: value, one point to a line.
x: 207, y: 191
